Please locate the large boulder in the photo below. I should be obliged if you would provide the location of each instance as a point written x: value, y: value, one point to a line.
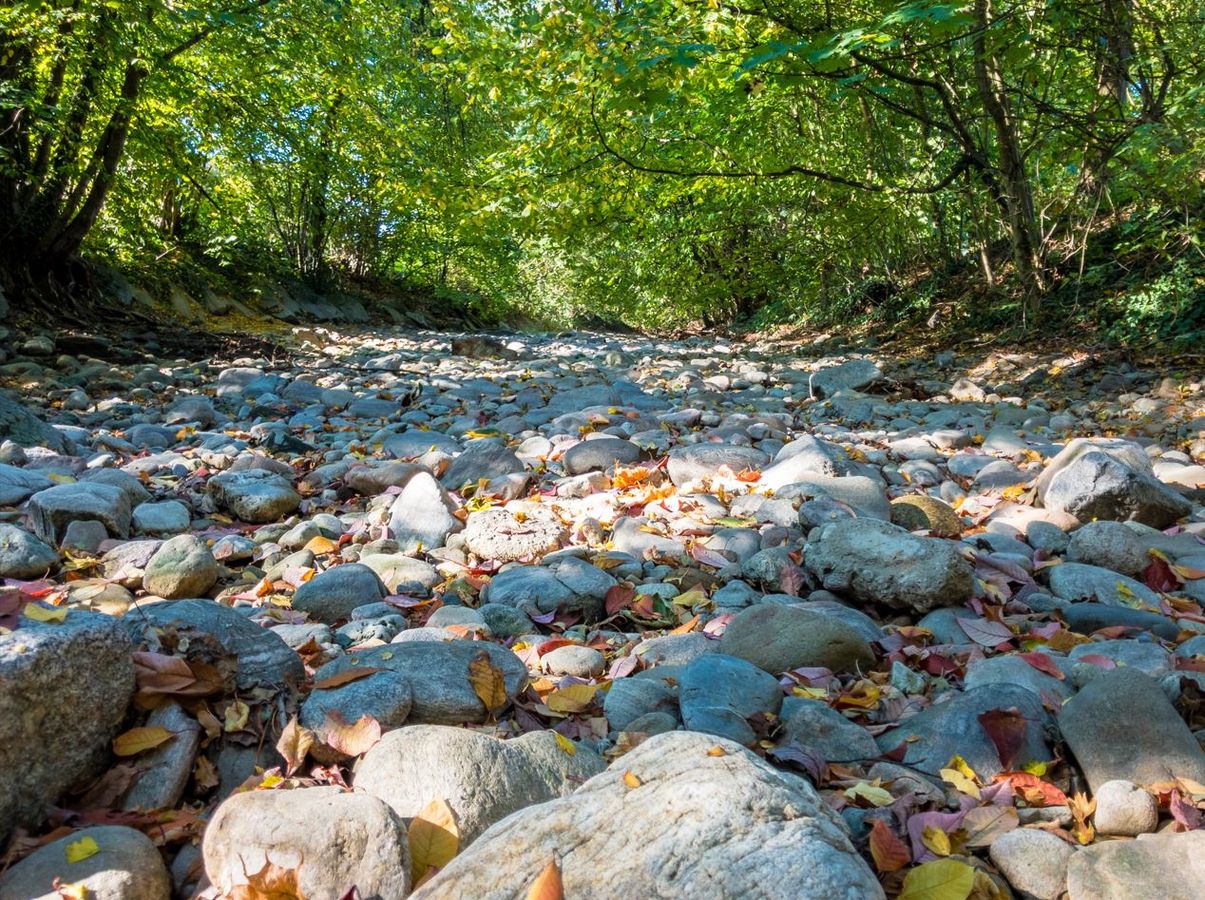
x: 337, y: 841
x: 932, y: 737
x: 332, y: 595
x: 1167, y: 866
x: 777, y: 638
x: 64, y: 691
x: 1121, y: 726
x: 52, y: 510
x: 853, y: 375
x: 254, y: 495
x: 126, y: 866
x: 1108, y: 479
x: 876, y: 562
x: 22, y: 427
x: 682, y: 815
x: 439, y: 673
x: 24, y: 556
x: 483, y: 779
x: 259, y: 657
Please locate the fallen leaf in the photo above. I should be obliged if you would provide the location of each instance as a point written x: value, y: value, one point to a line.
x: 347, y: 676
x: 272, y: 882
x: 631, y: 779
x: 572, y: 699
x: 320, y: 544
x: 985, y: 632
x: 547, y: 885
x: 295, y: 742
x: 871, y: 793
x: 40, y: 613
x: 619, y: 597
x: 890, y: 854
x: 944, y: 879
x: 564, y: 743
x: 984, y: 824
x: 717, y: 750
x: 1032, y: 789
x: 434, y: 840
x: 1043, y: 664
x: 238, y: 714
x: 961, y: 782
x: 1006, y: 728
x: 85, y: 847
x: 686, y: 627
x: 139, y: 740
x: 350, y: 739
x: 69, y: 890
x: 936, y: 840
x: 487, y: 682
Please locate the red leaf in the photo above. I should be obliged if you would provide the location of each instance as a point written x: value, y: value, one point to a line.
x: 618, y: 598
x: 1097, y: 659
x: 1033, y: 790
x: 1043, y: 663
x: 1158, y: 576
x: 1006, y: 728
x: 890, y: 854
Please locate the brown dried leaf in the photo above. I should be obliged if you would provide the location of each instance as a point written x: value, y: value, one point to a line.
x: 347, y: 676
x: 139, y: 740
x: 487, y: 682
x: 272, y: 882
x: 295, y: 742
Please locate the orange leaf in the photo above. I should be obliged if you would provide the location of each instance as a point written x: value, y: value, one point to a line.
x: 686, y: 627
x: 319, y: 545
x: 631, y: 779
x: 347, y: 676
x: 547, y: 885
x: 890, y: 854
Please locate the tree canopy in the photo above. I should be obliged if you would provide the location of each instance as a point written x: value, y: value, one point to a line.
x: 656, y: 161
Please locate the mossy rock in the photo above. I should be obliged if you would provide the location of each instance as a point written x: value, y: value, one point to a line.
x: 918, y: 512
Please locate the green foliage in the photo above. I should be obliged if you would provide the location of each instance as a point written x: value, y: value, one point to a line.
x: 660, y: 162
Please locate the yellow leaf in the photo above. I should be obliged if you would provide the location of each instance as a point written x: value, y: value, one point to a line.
x: 631, y: 779
x: 717, y: 750
x: 960, y: 765
x: 547, y: 885
x: 936, y: 840
x: 82, y: 849
x: 237, y: 714
x: 960, y: 782
x: 810, y: 693
x: 76, y: 891
x: 871, y: 793
x: 943, y: 879
x: 1036, y: 768
x: 138, y: 740
x: 487, y: 682
x: 434, y: 839
x: 44, y: 614
x: 571, y: 699
x: 564, y: 743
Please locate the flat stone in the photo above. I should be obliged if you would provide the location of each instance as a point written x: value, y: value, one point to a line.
x: 254, y: 495
x: 499, y: 534
x: 52, y: 510
x: 600, y: 454
x: 1100, y: 725
x: 779, y: 638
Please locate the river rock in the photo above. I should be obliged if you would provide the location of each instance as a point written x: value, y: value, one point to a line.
x: 698, y: 823
x: 483, y: 779
x: 778, y: 638
x: 876, y: 562
x: 337, y: 841
x: 127, y: 866
x: 64, y: 691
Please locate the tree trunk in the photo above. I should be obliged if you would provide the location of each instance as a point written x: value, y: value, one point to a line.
x: 1017, y: 192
